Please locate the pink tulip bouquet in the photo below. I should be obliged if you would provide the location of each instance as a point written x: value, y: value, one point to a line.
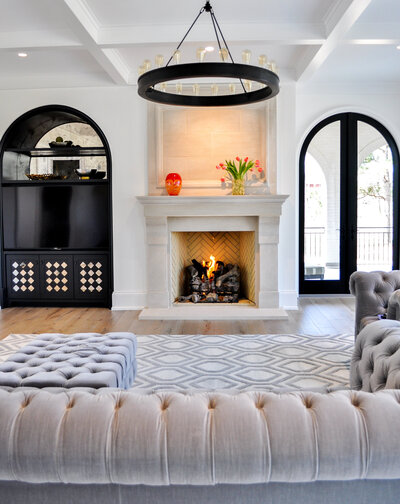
x: 237, y: 173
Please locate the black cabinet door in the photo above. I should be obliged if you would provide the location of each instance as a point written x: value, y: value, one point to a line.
x: 56, y: 276
x: 23, y: 277
x: 91, y: 276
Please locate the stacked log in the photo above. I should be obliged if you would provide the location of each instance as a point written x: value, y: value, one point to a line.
x: 223, y: 285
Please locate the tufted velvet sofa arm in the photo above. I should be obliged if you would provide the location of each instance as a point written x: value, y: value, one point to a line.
x: 124, y: 437
x: 372, y: 291
x: 375, y: 364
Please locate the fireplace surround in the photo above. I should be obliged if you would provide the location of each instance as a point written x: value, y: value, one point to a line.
x: 169, y: 219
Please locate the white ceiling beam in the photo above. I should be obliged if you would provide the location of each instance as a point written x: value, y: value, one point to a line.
x: 340, y: 21
x: 38, y: 39
x: 86, y: 27
x: 277, y: 33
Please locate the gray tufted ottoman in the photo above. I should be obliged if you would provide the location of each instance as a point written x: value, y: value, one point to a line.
x: 375, y: 364
x: 73, y: 360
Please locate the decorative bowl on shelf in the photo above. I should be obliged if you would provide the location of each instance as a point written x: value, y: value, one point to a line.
x: 85, y: 174
x: 97, y: 175
x: 67, y: 143
x: 45, y: 176
x: 90, y: 174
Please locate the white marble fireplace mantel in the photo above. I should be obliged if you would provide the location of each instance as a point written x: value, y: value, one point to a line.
x: 167, y: 214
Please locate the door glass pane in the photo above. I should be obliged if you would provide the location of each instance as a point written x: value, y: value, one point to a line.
x: 322, y: 205
x: 375, y: 200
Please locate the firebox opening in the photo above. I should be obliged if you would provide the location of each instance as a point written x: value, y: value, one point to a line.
x: 213, y: 267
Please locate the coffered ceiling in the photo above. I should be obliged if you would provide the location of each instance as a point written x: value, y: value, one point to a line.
x: 101, y: 42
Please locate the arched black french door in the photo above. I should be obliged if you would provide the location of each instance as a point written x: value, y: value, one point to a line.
x: 349, y: 186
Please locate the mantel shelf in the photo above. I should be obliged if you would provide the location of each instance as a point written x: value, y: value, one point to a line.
x: 176, y: 206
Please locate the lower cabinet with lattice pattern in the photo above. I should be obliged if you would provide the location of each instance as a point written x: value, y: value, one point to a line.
x: 57, y: 278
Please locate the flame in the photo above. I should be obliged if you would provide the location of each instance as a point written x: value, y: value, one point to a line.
x: 211, y: 267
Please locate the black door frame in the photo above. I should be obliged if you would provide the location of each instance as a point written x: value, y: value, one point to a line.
x: 348, y: 201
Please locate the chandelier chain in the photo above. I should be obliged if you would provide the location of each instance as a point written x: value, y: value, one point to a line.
x: 225, y: 43
x: 186, y: 34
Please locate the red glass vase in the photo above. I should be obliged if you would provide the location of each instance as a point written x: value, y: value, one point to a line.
x: 173, y: 184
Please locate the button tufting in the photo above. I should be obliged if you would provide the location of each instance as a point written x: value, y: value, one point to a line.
x: 307, y: 402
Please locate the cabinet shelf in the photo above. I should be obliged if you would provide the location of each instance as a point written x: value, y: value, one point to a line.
x: 60, y: 151
x: 53, y: 182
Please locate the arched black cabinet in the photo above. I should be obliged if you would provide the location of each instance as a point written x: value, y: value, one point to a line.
x: 56, y: 210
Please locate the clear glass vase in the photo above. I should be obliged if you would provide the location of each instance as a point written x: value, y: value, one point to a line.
x: 238, y: 187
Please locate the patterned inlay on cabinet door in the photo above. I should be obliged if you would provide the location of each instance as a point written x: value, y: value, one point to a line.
x: 91, y: 273
x: 57, y: 276
x: 23, y: 276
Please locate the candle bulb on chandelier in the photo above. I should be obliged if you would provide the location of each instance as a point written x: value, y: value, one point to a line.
x: 246, y: 56
x: 159, y: 60
x: 177, y: 57
x: 274, y: 67
x: 262, y: 60
x: 201, y: 53
x: 223, y: 54
x: 247, y: 85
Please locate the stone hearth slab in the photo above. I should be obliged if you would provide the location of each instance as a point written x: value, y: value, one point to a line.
x: 213, y: 312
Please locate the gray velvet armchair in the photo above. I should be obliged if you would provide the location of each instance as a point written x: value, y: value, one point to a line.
x: 376, y: 296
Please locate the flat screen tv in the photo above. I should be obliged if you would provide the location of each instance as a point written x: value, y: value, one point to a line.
x: 50, y: 218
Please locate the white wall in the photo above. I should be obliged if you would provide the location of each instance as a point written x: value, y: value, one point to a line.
x: 122, y: 116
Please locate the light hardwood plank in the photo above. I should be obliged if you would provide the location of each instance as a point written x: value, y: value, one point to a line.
x: 315, y: 316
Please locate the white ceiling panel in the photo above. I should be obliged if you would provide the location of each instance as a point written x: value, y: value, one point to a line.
x: 381, y: 11
x: 29, y: 15
x: 132, y: 12
x: 51, y: 66
x: 362, y: 64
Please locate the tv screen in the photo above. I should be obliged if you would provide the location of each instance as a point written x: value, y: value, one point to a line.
x: 64, y: 217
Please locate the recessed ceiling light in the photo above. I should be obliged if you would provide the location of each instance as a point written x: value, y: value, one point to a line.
x: 209, y: 48
x: 22, y: 54
x: 398, y: 47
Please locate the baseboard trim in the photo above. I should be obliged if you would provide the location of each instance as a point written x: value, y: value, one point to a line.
x: 128, y: 300
x: 288, y: 300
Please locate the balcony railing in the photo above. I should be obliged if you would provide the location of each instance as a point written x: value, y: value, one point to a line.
x: 374, y: 246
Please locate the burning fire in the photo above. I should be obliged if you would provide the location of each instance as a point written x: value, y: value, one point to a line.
x: 210, y: 266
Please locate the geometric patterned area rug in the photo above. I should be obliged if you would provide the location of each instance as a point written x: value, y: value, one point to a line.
x: 244, y: 362
x: 275, y: 362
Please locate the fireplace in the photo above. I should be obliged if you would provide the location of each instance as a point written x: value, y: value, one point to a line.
x: 242, y: 230
x: 213, y: 267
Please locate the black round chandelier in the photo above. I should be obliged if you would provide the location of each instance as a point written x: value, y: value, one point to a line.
x: 255, y: 83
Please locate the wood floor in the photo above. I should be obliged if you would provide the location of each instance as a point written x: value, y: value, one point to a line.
x: 316, y: 315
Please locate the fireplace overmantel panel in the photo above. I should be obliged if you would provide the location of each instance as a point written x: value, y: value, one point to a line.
x: 167, y: 214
